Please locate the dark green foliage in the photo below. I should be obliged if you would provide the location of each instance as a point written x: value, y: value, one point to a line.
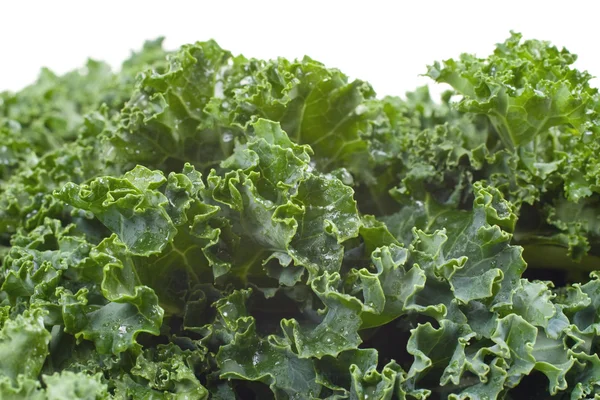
x: 201, y: 225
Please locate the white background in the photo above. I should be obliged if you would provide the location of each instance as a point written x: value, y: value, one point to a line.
x: 388, y: 43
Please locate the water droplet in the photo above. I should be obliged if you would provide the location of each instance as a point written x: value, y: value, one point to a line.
x: 346, y: 177
x: 227, y: 137
x: 31, y: 214
x: 379, y: 154
x: 360, y: 109
x: 246, y: 80
x: 218, y: 91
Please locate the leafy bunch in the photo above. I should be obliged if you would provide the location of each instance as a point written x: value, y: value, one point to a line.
x: 203, y: 225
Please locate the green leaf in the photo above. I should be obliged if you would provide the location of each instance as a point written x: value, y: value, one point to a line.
x: 337, y: 331
x: 127, y: 310
x: 552, y: 360
x: 24, y: 389
x: 201, y: 225
x: 329, y: 218
x: 516, y: 90
x: 68, y: 385
x: 439, y: 353
x: 170, y: 370
x: 128, y: 207
x: 532, y: 301
x: 23, y: 346
x: 515, y: 339
x: 334, y: 371
x: 252, y: 358
x: 491, y: 388
x: 165, y: 120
